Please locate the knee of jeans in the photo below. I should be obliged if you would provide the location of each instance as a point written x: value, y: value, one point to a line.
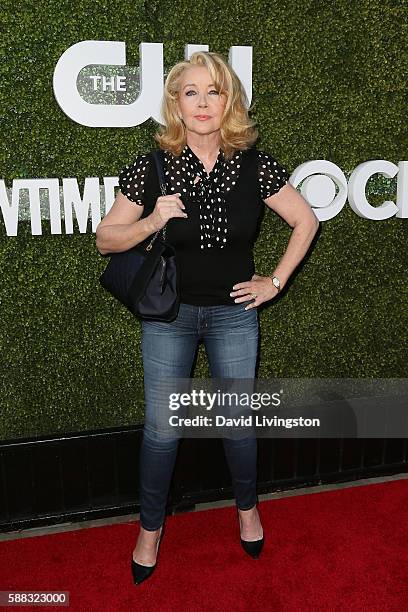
x: 159, y: 439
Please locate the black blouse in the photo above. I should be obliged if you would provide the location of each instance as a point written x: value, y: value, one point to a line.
x: 214, y: 244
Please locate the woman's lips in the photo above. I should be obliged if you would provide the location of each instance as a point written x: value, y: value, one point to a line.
x: 202, y: 117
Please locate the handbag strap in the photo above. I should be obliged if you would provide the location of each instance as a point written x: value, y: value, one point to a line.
x: 158, y: 156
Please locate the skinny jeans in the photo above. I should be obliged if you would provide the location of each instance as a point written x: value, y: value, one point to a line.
x: 230, y: 335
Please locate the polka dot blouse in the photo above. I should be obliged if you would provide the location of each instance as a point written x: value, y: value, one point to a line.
x: 187, y: 175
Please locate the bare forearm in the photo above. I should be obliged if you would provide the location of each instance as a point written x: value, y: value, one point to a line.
x: 118, y: 238
x: 298, y: 245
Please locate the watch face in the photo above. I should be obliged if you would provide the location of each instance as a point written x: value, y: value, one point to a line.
x: 276, y: 282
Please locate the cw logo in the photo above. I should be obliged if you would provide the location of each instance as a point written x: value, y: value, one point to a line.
x: 147, y: 105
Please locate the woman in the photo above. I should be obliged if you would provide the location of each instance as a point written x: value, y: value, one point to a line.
x: 216, y: 182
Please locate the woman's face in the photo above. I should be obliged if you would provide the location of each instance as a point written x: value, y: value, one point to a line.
x: 199, y: 103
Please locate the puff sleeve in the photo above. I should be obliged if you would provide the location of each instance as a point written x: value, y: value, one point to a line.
x: 132, y: 179
x: 271, y: 175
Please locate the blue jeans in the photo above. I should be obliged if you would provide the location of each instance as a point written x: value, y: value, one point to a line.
x: 230, y: 334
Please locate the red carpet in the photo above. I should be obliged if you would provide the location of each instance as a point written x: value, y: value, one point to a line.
x: 336, y: 550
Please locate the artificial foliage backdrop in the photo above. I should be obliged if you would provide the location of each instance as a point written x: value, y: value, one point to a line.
x: 329, y: 82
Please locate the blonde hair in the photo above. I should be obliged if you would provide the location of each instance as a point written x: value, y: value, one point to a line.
x: 237, y: 130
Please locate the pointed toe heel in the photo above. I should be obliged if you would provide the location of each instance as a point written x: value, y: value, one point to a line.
x: 253, y: 548
x: 141, y: 572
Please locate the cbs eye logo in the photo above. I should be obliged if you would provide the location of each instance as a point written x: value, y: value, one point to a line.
x: 319, y: 178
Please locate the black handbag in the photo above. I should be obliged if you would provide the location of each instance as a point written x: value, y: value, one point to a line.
x: 144, y: 278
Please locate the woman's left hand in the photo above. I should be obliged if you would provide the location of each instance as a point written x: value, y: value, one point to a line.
x: 260, y: 286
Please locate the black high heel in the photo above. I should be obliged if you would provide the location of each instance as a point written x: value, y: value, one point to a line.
x: 142, y: 572
x: 253, y: 548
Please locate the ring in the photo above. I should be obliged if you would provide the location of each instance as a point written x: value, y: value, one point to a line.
x: 254, y: 295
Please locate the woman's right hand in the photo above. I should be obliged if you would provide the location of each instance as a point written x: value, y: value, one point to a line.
x: 166, y: 207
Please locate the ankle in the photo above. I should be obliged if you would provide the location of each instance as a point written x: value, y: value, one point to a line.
x: 249, y: 519
x: 147, y: 537
x: 247, y: 513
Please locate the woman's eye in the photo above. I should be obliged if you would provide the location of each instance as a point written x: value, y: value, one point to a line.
x: 192, y: 91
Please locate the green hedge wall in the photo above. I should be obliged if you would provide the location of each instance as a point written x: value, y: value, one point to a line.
x: 329, y: 82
